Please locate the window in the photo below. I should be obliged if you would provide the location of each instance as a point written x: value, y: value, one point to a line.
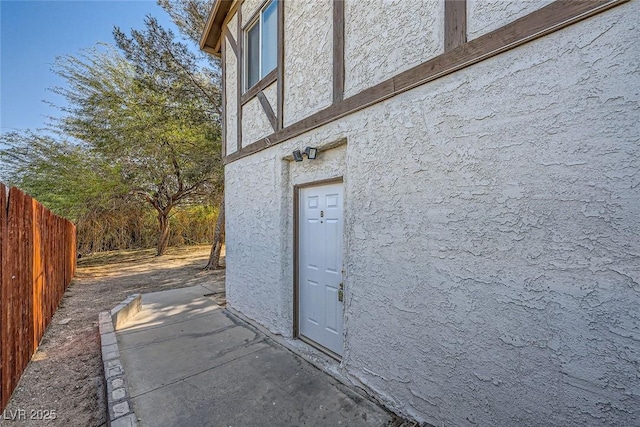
x: 262, y: 44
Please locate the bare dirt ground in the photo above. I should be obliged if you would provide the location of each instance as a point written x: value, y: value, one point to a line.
x: 64, y: 383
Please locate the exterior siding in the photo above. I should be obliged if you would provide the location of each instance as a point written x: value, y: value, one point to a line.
x: 491, y: 234
x: 231, y: 94
x: 256, y: 128
x: 253, y: 192
x: 308, y: 58
x: 501, y: 260
x: 271, y: 94
x: 485, y: 16
x: 383, y: 38
x: 249, y: 8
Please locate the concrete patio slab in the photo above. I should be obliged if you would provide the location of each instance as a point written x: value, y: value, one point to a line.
x: 189, y: 362
x: 156, y: 334
x: 176, y: 304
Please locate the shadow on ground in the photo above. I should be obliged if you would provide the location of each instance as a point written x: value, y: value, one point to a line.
x: 189, y: 362
x: 65, y: 374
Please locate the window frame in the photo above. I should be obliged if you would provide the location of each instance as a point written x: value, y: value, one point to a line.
x: 258, y: 20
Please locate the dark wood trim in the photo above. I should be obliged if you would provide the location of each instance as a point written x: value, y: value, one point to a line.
x: 266, y: 106
x: 210, y: 40
x: 223, y: 54
x: 357, y: 102
x: 338, y: 51
x: 352, y: 104
x: 280, y: 67
x: 230, y: 14
x: 296, y: 261
x: 255, y: 14
x: 296, y: 252
x: 455, y: 23
x: 260, y: 86
x: 240, y: 79
x: 546, y: 20
x: 335, y: 180
x: 232, y: 41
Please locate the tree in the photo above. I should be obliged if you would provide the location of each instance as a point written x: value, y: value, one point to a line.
x: 68, y: 178
x: 142, y: 121
x: 190, y: 16
x: 76, y: 182
x: 139, y: 114
x: 218, y: 240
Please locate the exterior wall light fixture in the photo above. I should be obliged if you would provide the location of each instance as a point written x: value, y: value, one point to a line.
x: 310, y: 152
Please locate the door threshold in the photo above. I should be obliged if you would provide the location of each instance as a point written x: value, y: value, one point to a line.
x: 320, y: 347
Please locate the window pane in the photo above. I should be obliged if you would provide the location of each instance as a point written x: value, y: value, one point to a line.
x: 253, y: 55
x: 269, y: 38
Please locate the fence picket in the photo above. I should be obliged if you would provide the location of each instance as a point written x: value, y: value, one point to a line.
x: 4, y: 297
x: 37, y: 263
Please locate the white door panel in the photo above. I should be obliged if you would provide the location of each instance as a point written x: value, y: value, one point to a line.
x: 320, y: 261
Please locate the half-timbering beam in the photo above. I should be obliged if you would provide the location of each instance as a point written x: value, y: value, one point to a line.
x: 546, y: 20
x: 455, y: 23
x: 280, y: 67
x: 338, y: 50
x: 239, y: 85
x: 266, y: 106
x: 232, y: 42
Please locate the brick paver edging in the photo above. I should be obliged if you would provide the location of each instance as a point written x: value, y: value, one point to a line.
x: 119, y: 407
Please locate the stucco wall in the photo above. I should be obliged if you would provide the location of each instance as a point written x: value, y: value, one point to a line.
x: 249, y: 7
x: 485, y: 16
x: 256, y: 289
x: 256, y: 128
x: 271, y: 93
x: 253, y: 195
x: 308, y: 82
x: 231, y: 94
x: 504, y: 262
x: 491, y: 235
x: 385, y: 37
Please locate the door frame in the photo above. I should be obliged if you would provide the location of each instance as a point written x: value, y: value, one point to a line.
x: 296, y: 259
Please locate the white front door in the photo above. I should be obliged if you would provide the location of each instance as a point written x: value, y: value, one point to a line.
x: 320, y: 265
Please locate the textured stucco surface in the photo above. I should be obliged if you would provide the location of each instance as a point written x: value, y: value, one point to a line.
x: 271, y: 93
x: 231, y: 94
x: 308, y: 82
x: 256, y: 128
x: 485, y: 16
x: 254, y: 283
x: 249, y: 7
x: 258, y: 295
x: 232, y: 26
x: 385, y: 37
x: 492, y: 270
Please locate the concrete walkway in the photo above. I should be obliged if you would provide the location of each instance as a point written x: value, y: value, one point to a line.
x: 189, y: 362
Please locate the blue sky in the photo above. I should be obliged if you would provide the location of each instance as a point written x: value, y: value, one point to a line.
x: 34, y: 33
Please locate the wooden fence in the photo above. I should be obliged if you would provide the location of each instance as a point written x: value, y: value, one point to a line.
x: 37, y: 262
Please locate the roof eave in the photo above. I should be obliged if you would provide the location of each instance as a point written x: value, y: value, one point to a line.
x: 210, y: 40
